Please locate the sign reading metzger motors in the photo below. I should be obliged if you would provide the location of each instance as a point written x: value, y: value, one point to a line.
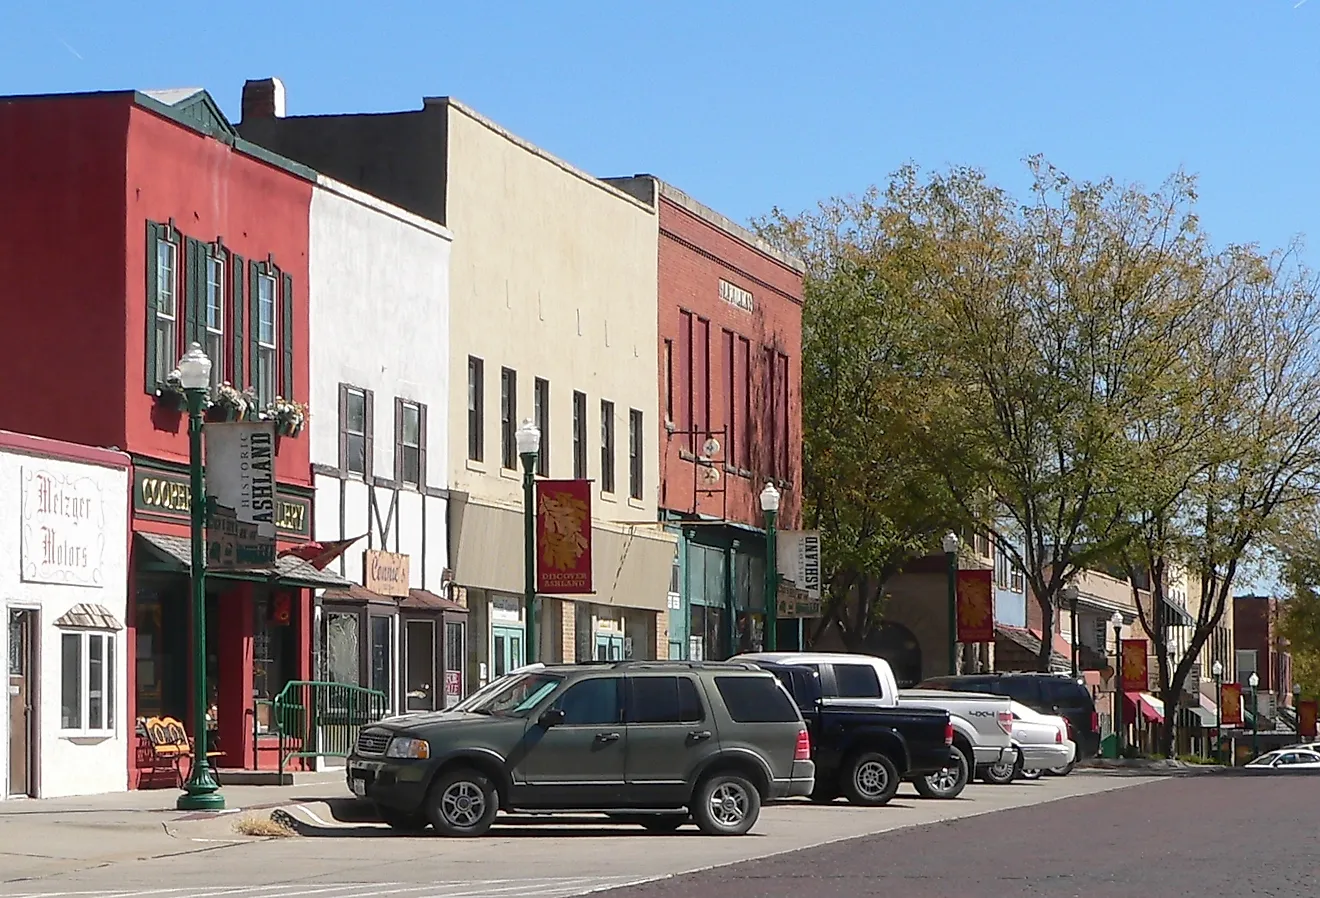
x: 240, y: 494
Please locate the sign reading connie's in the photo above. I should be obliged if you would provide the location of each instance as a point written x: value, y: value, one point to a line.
x: 385, y: 573
x: 63, y: 529
x: 165, y: 494
x: 240, y: 494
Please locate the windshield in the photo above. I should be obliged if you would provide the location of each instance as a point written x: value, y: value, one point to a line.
x: 512, y: 696
x: 1264, y: 760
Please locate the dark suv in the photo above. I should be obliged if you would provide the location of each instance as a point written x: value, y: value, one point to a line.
x: 653, y: 743
x: 1043, y: 692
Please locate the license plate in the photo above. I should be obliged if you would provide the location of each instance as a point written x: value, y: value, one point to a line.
x: 359, y: 787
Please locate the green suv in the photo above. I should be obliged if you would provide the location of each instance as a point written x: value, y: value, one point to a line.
x: 654, y: 743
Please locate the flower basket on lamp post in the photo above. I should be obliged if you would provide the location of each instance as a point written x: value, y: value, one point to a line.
x: 170, y: 395
x: 228, y: 403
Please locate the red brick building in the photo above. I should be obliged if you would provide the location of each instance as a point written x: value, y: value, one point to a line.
x: 1260, y: 647
x: 136, y: 223
x: 730, y: 308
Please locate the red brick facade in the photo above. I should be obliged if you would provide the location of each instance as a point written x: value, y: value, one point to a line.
x: 724, y: 367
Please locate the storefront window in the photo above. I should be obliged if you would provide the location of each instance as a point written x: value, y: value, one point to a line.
x: 160, y: 650
x: 382, y: 655
x: 454, y: 655
x: 343, y: 661
x: 708, y: 634
x: 274, y: 650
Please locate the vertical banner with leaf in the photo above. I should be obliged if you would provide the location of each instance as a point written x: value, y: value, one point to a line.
x: 1306, y: 719
x: 1230, y: 704
x: 1136, y: 673
x: 563, y: 537
x: 976, y: 607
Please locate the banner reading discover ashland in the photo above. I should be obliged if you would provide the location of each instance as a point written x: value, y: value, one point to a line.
x: 240, y: 494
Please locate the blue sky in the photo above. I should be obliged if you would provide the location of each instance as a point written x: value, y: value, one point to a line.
x: 750, y: 105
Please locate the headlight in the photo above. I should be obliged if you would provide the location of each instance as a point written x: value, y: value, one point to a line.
x: 408, y: 748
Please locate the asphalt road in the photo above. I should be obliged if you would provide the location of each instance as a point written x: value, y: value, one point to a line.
x: 1239, y: 835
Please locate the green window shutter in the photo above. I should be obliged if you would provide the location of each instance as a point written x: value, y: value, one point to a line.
x: 194, y: 290
x: 254, y: 294
x: 286, y: 338
x: 153, y: 377
x: 238, y: 275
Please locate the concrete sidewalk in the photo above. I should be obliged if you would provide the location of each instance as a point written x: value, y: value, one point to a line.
x: 44, y: 837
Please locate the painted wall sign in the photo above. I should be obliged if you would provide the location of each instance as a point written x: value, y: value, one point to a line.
x: 240, y: 494
x: 166, y: 494
x: 385, y: 573
x: 563, y: 537
x: 63, y: 529
x: 736, y: 296
x: 798, y: 559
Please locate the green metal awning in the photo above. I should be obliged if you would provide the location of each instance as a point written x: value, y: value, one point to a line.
x: 174, y: 554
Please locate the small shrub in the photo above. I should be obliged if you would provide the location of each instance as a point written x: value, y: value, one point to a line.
x: 263, y: 827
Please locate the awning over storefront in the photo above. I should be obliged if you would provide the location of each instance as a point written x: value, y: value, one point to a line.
x: 1145, y: 704
x: 631, y: 563
x: 424, y: 600
x: 175, y: 553
x: 1204, y: 717
x: 88, y: 617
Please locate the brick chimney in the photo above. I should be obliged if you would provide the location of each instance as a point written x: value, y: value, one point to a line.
x: 263, y: 99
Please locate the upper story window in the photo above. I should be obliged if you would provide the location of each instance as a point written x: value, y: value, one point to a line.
x: 579, y: 435
x: 264, y: 365
x: 215, y: 315
x: 508, y: 418
x: 541, y: 412
x: 606, y: 446
x: 635, y: 458
x: 410, y: 443
x: 476, y: 408
x: 355, y: 430
x: 166, y: 304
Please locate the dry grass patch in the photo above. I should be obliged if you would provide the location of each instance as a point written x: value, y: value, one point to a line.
x: 263, y: 827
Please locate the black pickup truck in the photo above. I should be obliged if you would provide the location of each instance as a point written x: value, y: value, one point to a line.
x: 864, y: 753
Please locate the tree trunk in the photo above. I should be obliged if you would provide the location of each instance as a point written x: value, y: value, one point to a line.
x: 1168, y: 728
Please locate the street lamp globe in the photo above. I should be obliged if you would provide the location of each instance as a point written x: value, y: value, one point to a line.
x: 194, y: 369
x: 1253, y: 681
x: 950, y: 543
x: 769, y: 498
x: 1116, y: 619
x: 1297, y: 692
x: 528, y: 437
x: 1217, y: 669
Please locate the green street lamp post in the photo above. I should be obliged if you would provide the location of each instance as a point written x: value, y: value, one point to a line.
x: 950, y: 545
x: 528, y: 438
x: 1217, y: 671
x: 1297, y: 709
x: 1116, y: 620
x: 770, y: 505
x: 201, y: 792
x: 1253, y: 681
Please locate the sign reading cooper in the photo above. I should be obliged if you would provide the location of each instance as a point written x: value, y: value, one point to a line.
x: 385, y: 573
x: 163, y: 494
x: 240, y: 494
x: 63, y: 529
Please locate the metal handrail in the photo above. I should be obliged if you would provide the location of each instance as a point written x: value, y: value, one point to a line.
x: 321, y: 719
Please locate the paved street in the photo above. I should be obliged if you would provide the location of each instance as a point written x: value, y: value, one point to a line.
x: 167, y: 855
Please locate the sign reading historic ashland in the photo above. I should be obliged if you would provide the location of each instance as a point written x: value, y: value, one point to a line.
x: 240, y: 494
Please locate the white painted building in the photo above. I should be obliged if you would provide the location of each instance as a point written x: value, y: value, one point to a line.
x: 380, y: 372
x: 64, y: 585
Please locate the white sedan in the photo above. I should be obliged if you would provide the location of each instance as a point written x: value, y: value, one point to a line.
x: 1042, y: 741
x: 1287, y: 759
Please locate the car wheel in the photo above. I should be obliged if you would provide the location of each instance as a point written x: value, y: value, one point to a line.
x: 1062, y: 771
x: 947, y: 783
x: 871, y: 779
x: 463, y: 802
x: 1003, y: 773
x: 1032, y: 774
x: 726, y: 804
x: 663, y: 823
x: 403, y: 821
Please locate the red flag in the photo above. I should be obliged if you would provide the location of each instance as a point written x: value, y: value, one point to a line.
x: 1230, y: 704
x: 320, y: 554
x: 1306, y: 718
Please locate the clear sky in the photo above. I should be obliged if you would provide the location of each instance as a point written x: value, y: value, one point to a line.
x: 751, y: 105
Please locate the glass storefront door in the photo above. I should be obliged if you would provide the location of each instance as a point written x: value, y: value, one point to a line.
x: 507, y: 651
x: 609, y: 647
x: 419, y: 665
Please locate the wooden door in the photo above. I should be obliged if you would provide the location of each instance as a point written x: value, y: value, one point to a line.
x: 22, y: 712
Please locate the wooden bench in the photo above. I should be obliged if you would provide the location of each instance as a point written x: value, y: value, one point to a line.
x: 170, y: 744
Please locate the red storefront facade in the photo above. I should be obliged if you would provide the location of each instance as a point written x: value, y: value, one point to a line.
x: 135, y: 224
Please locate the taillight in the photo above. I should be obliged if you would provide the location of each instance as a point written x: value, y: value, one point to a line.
x: 1068, y: 723
x: 1095, y: 721
x: 1006, y: 721
x: 803, y: 750
x: 948, y: 734
x: 1058, y: 736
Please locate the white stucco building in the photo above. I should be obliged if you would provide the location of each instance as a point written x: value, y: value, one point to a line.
x: 380, y: 372
x: 554, y: 317
x: 64, y: 582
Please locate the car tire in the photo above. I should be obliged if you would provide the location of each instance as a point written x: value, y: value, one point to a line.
x: 726, y: 804
x: 1062, y: 771
x: 869, y: 779
x: 402, y: 821
x: 949, y: 782
x: 463, y: 803
x: 663, y: 823
x: 1032, y: 774
x: 1003, y: 774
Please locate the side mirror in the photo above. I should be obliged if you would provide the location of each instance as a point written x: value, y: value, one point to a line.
x: 552, y: 717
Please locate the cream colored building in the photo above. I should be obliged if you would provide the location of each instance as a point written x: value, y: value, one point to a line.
x: 553, y: 317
